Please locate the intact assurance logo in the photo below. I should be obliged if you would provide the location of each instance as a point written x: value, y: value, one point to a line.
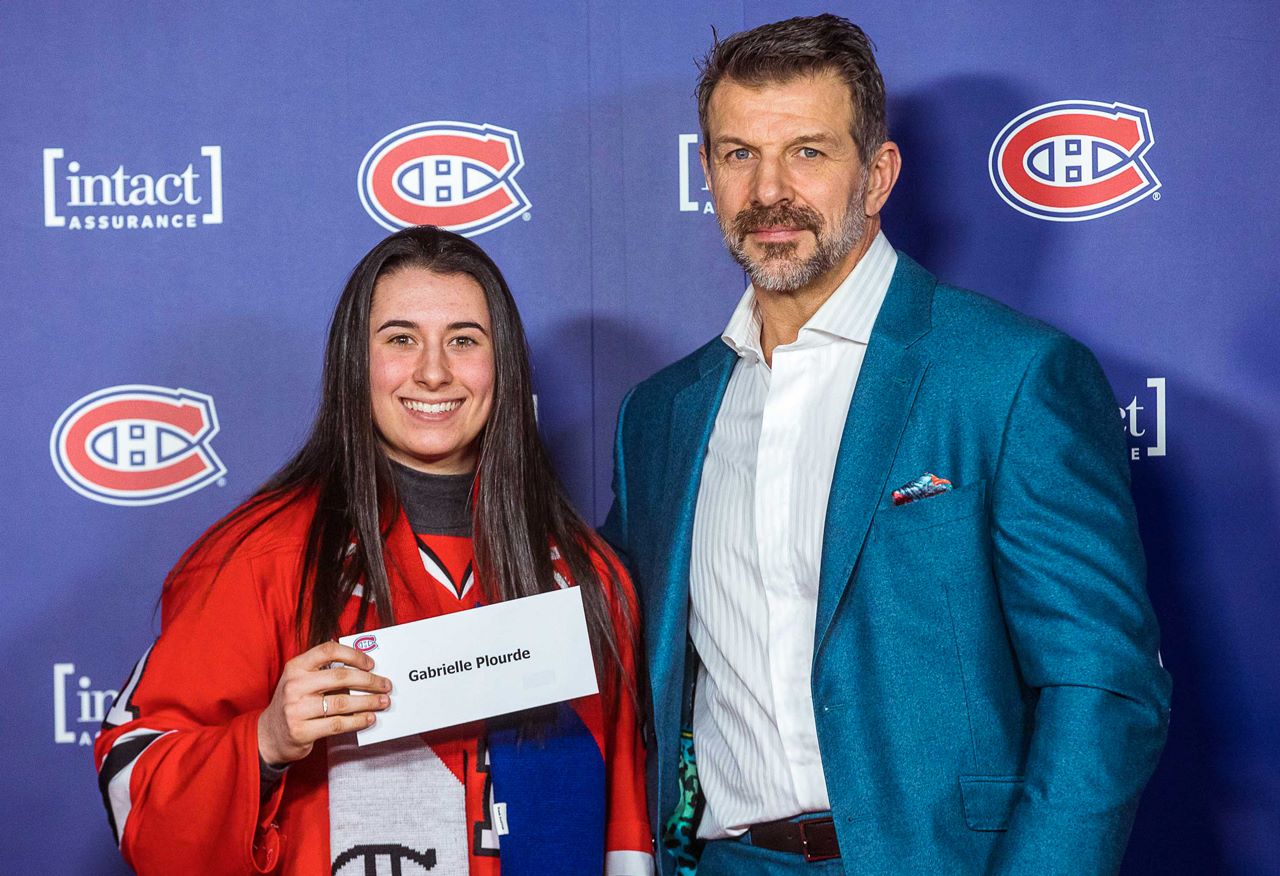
x: 456, y: 175
x: 1144, y: 421
x: 1074, y: 160
x: 80, y: 707
x: 694, y: 197
x: 137, y: 445
x: 80, y: 194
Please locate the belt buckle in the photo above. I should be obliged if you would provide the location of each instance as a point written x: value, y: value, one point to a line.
x: 809, y: 856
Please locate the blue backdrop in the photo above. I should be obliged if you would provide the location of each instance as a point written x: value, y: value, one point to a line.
x: 185, y: 187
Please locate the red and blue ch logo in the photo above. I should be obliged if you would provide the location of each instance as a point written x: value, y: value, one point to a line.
x: 137, y: 445
x: 455, y: 175
x: 1074, y: 160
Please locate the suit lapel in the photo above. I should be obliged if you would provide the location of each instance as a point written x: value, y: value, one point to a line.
x: 887, y: 385
x: 693, y: 416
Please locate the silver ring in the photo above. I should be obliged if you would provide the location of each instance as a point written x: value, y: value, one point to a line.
x: 324, y: 705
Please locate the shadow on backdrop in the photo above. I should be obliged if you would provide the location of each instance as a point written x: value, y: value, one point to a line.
x: 944, y: 212
x: 1214, y: 801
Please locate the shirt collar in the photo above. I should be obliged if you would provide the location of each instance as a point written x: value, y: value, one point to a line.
x: 849, y: 313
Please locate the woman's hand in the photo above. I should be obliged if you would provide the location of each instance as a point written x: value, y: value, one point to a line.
x: 311, y: 702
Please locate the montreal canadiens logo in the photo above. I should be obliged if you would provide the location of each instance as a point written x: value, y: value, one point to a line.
x: 366, y: 643
x: 455, y: 175
x: 137, y: 445
x: 1074, y: 160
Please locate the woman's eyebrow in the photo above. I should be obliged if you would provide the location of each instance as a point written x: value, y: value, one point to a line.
x: 398, y: 323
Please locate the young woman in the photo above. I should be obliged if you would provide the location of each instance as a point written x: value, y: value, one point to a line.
x: 423, y: 489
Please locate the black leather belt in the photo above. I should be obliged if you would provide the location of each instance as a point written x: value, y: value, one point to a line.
x: 815, y: 839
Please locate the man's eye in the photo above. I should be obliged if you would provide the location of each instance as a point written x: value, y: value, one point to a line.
x: 809, y: 152
x: 740, y: 154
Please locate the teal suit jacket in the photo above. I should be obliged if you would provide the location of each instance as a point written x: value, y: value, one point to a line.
x: 986, y: 683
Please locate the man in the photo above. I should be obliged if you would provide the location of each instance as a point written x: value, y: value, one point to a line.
x: 881, y: 528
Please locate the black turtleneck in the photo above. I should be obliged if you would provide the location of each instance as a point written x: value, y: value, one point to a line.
x: 435, y: 503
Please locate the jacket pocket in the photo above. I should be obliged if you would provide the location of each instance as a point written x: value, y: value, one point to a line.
x: 965, y: 501
x: 989, y: 801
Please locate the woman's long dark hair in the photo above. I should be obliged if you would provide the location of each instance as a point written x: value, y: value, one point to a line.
x: 521, y: 508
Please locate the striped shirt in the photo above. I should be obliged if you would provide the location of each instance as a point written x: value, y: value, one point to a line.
x: 757, y: 545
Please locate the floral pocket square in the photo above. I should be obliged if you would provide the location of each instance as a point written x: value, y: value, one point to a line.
x: 928, y: 484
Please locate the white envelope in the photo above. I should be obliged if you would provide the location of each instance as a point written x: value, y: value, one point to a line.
x: 479, y: 663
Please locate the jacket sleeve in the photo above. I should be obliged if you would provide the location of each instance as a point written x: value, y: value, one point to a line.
x: 177, y: 758
x: 1071, y: 576
x: 628, y: 841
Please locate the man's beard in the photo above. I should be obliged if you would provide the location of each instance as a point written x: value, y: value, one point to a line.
x: 778, y: 268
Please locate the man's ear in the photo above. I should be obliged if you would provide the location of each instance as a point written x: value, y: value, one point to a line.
x: 882, y: 175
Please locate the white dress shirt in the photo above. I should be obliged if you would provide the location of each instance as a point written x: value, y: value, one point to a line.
x: 757, y: 546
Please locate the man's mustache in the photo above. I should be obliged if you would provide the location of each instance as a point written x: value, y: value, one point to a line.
x: 758, y: 216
